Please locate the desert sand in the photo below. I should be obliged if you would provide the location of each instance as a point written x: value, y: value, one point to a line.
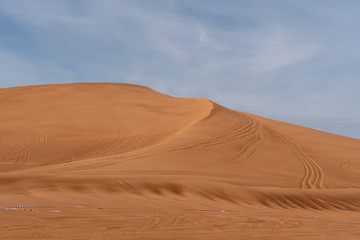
x: 121, y: 161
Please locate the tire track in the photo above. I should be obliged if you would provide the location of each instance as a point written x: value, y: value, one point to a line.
x: 314, y: 176
x: 125, y: 185
x: 24, y: 142
x: 239, y: 129
x: 137, y: 141
x: 249, y: 130
x: 121, y: 134
x: 22, y: 156
x: 252, y: 146
x: 42, y: 140
x: 4, y: 153
x: 63, y: 157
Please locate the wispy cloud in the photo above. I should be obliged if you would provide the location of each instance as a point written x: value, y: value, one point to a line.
x: 276, y: 49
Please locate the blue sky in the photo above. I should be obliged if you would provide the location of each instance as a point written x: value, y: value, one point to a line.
x: 290, y: 60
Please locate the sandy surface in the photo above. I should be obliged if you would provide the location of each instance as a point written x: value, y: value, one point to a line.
x: 119, y: 161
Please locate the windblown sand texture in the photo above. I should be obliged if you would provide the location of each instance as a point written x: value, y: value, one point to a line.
x: 120, y: 161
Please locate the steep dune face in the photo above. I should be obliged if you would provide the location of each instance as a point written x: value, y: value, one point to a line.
x: 98, y: 143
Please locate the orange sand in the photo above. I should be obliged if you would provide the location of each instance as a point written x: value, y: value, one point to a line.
x: 120, y: 161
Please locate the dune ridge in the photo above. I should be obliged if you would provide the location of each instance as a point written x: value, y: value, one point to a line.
x: 121, y: 146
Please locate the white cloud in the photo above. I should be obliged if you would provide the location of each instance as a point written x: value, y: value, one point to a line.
x: 276, y: 49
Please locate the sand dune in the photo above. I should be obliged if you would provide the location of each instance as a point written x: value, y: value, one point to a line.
x: 121, y: 161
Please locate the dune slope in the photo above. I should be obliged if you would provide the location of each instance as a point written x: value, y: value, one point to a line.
x: 87, y: 157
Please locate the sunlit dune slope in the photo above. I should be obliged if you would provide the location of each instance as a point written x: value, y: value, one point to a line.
x: 46, y: 125
x: 128, y: 138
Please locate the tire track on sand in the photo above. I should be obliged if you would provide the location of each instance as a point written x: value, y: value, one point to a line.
x: 21, y: 156
x: 125, y: 185
x: 42, y: 140
x: 250, y: 130
x: 114, y: 144
x: 314, y: 176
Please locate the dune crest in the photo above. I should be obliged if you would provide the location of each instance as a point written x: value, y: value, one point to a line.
x: 87, y: 146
